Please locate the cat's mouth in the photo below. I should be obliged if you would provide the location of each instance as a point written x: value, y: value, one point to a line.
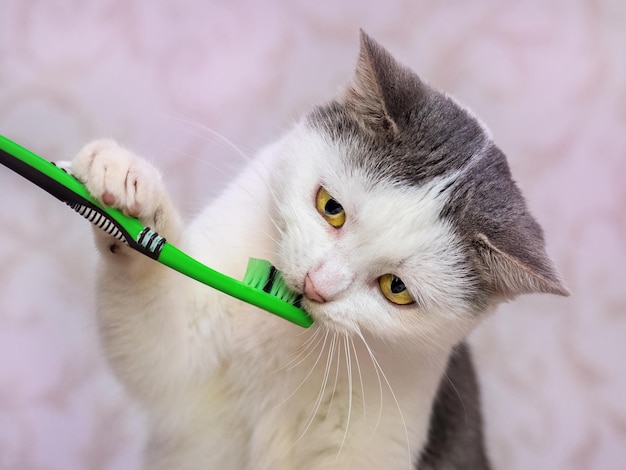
x: 326, y: 314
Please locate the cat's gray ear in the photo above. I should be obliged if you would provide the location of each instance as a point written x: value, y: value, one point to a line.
x: 527, y: 271
x: 382, y: 91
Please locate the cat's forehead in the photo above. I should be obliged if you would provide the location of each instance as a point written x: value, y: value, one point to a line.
x: 438, y: 137
x: 387, y: 219
x: 358, y: 170
x: 390, y: 209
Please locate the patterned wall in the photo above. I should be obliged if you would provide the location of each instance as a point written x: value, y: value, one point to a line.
x: 547, y: 76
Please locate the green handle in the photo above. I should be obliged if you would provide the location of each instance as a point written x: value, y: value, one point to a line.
x: 128, y: 229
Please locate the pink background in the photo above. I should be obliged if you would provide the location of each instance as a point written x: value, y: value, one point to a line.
x: 547, y: 76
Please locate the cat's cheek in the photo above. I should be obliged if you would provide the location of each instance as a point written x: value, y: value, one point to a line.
x: 292, y: 269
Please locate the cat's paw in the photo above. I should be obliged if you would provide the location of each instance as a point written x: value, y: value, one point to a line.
x: 118, y: 178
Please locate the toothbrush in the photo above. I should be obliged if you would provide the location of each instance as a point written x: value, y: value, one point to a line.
x: 262, y: 286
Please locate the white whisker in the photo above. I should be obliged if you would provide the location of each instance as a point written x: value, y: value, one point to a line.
x: 447, y: 378
x: 358, y: 368
x: 393, y: 395
x: 380, y: 386
x: 207, y: 163
x: 332, y: 396
x: 301, y: 356
x: 307, y: 375
x: 349, y: 369
x: 203, y: 131
x: 320, y: 396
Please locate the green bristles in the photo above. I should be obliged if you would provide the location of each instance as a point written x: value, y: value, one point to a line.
x: 260, y: 274
x: 257, y: 273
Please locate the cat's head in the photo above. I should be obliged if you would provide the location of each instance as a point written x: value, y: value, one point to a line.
x: 398, y: 214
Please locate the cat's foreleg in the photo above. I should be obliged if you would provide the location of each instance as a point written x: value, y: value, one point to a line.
x: 140, y: 306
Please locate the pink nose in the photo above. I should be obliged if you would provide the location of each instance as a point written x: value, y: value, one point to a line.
x: 310, y: 291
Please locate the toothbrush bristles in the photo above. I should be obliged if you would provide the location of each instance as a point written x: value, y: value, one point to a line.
x: 260, y: 274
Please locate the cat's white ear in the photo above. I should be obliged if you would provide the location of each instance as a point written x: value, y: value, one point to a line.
x: 510, y: 276
x: 382, y: 90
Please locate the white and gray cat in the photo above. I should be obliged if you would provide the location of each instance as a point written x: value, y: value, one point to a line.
x: 395, y: 215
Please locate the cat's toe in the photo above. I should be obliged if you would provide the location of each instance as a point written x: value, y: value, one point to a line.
x: 118, y: 178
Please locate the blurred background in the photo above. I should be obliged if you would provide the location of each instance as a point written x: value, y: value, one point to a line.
x: 547, y: 76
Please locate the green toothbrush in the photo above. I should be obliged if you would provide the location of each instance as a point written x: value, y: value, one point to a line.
x: 262, y: 286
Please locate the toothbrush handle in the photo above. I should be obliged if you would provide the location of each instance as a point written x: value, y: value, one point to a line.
x: 69, y: 190
x: 129, y: 230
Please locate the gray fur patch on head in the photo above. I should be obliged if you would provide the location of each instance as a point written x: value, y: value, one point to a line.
x: 399, y: 130
x: 490, y: 213
x: 404, y: 130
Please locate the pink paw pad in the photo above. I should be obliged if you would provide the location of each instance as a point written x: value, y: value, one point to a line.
x: 108, y: 198
x: 134, y: 210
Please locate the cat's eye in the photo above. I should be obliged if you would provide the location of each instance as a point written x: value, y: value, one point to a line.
x: 329, y: 208
x: 394, y: 290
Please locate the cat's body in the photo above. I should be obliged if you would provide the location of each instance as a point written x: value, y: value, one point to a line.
x: 226, y: 386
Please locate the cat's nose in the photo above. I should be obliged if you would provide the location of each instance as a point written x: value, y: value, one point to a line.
x: 328, y: 280
x: 310, y: 290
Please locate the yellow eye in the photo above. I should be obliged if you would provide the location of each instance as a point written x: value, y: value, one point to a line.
x: 394, y: 290
x: 329, y: 208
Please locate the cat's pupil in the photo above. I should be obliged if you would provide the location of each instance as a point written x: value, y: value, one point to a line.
x: 397, y: 286
x: 332, y: 207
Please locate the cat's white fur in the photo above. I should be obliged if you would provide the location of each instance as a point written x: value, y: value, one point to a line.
x: 228, y: 386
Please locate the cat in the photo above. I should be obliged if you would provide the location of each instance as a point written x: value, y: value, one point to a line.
x: 394, y: 213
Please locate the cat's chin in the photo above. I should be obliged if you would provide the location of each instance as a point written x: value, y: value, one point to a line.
x: 325, y: 318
